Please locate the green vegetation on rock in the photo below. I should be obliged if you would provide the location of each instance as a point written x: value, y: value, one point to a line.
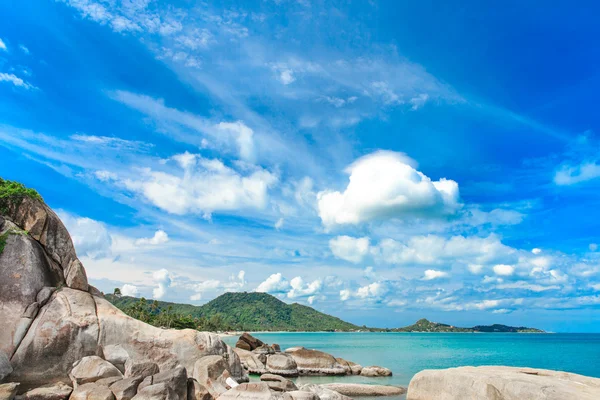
x: 232, y: 311
x: 424, y: 325
x: 11, y: 191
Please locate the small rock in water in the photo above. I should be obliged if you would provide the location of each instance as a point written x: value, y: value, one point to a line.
x: 375, y: 371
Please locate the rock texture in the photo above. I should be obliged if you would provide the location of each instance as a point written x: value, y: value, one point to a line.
x: 92, y: 368
x: 501, y: 383
x: 323, y: 392
x: 282, y: 364
x: 278, y: 383
x: 8, y: 391
x: 250, y: 361
x: 314, y: 362
x: 125, y: 389
x: 248, y: 342
x: 253, y: 391
x: 375, y: 371
x: 58, y: 391
x: 92, y: 391
x: 363, y: 389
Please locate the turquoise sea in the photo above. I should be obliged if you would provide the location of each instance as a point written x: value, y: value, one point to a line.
x: 408, y: 353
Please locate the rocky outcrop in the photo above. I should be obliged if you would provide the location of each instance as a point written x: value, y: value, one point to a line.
x: 505, y: 383
x: 282, y: 364
x: 302, y: 395
x: 212, y: 373
x: 250, y: 361
x: 58, y: 391
x: 323, y: 392
x: 363, y: 389
x: 375, y: 371
x: 253, y: 391
x: 248, y: 342
x: 350, y: 367
x: 314, y: 362
x: 92, y: 368
x: 125, y: 389
x: 8, y: 391
x: 278, y: 383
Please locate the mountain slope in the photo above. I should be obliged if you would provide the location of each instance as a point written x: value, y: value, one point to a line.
x: 247, y: 311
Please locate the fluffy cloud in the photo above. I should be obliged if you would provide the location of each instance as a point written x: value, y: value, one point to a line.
x: 570, y: 175
x: 90, y: 237
x: 203, y: 186
x: 242, y: 135
x: 536, y: 251
x: 433, y: 274
x: 504, y: 270
x: 129, y: 290
x: 235, y: 283
x: 349, y: 248
x: 275, y: 283
x: 163, y: 281
x: 302, y: 289
x: 159, y: 237
x: 386, y: 184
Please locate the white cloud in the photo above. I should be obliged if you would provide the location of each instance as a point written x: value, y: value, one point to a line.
x: 160, y: 237
x: 163, y: 281
x: 23, y: 48
x: 386, y: 185
x: 504, y: 270
x: 536, y: 251
x: 349, y: 248
x: 570, y: 175
x: 15, y: 80
x: 374, y: 290
x: 130, y: 290
x: 242, y: 134
x: 593, y: 246
x: 345, y: 294
x: 301, y: 289
x: 203, y: 187
x: 90, y: 237
x: 3, y: 45
x: 419, y: 101
x: 431, y: 274
x: 475, y: 268
x: 275, y: 283
x: 279, y: 223
x: 286, y: 76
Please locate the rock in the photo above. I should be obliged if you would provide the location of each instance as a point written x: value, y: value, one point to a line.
x: 363, y: 389
x: 240, y: 344
x: 125, y: 389
x: 75, y: 276
x: 292, y: 349
x: 31, y: 311
x: 302, y: 395
x: 314, y: 362
x: 92, y: 391
x: 278, y: 383
x: 250, y: 361
x: 175, y: 379
x: 505, y: 383
x: 44, y: 295
x: 8, y: 391
x: 252, y: 342
x: 276, y: 347
x: 108, y: 381
x: 197, y: 391
x: 212, y: 372
x: 323, y: 392
x: 159, y: 391
x: 57, y: 391
x: 282, y: 364
x: 116, y: 355
x: 94, y: 291
x: 375, y: 371
x: 253, y: 391
x: 5, y: 367
x: 140, y: 368
x: 92, y: 368
x: 350, y: 367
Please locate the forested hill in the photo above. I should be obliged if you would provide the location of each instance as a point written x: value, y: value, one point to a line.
x: 424, y: 325
x: 232, y: 311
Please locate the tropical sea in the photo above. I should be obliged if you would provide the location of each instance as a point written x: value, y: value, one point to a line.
x: 408, y: 353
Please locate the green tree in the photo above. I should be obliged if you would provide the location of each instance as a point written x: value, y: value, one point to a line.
x: 117, y: 292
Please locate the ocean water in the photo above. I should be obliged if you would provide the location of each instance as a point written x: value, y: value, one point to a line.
x: 408, y: 353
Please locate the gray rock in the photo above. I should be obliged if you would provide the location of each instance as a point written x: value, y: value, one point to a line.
x: 302, y: 395
x: 253, y: 391
x: 323, y: 392
x: 140, y: 368
x: 5, y: 367
x: 212, y: 372
x: 44, y: 295
x: 350, y: 367
x: 108, y: 381
x: 75, y: 276
x: 92, y: 368
x: 8, y: 391
x: 196, y: 391
x: 159, y: 391
x: 92, y: 391
x: 501, y: 383
x: 125, y: 389
x: 278, y: 383
x: 31, y: 311
x: 57, y: 391
x: 250, y: 361
x: 175, y: 379
x: 314, y: 362
x: 116, y: 355
x: 364, y: 389
x: 94, y: 291
x: 375, y: 371
x: 282, y: 364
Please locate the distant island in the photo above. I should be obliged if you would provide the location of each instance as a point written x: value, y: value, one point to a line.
x: 242, y: 311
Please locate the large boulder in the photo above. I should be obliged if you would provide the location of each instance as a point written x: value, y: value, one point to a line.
x: 253, y: 391
x: 505, y: 383
x: 143, y: 369
x: 92, y: 368
x: 282, y: 364
x: 5, y: 367
x: 212, y: 373
x: 175, y: 379
x: 125, y: 389
x: 8, y: 391
x: 92, y: 391
x: 364, y: 389
x: 350, y: 367
x: 250, y: 361
x: 375, y: 371
x: 56, y: 391
x: 302, y: 395
x: 315, y: 362
x: 278, y: 383
x: 248, y: 342
x: 196, y: 391
x: 323, y: 392
x: 159, y: 391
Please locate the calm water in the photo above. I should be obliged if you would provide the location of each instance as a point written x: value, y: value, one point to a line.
x: 408, y: 353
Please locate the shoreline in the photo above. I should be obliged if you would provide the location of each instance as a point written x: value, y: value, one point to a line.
x: 238, y: 333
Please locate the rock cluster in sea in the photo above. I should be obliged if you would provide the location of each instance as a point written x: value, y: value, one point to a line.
x: 60, y: 339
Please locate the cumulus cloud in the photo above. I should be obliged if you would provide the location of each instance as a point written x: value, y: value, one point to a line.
x: 130, y: 290
x: 349, y: 248
x: 242, y: 134
x: 234, y: 284
x: 431, y: 274
x: 90, y: 237
x: 345, y: 294
x: 275, y: 283
x: 504, y: 270
x: 203, y: 186
x: 386, y: 184
x: 571, y: 175
x: 536, y: 251
x: 160, y: 237
x: 163, y: 281
x: 302, y: 289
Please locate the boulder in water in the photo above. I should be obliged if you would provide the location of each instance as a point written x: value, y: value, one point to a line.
x: 375, y: 371
x: 282, y: 364
x: 315, y: 362
x: 278, y: 383
x: 364, y: 389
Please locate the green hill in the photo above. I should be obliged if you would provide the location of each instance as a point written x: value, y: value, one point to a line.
x: 424, y: 325
x: 233, y: 311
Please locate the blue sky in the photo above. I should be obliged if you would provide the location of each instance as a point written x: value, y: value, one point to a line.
x: 380, y: 161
